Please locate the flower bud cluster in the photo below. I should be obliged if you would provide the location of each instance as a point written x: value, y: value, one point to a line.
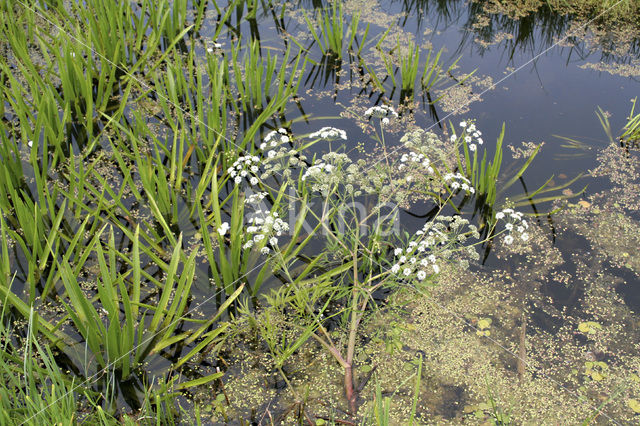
x: 331, y: 170
x: 279, y: 158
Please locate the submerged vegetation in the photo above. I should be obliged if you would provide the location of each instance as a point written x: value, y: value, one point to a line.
x: 183, y: 241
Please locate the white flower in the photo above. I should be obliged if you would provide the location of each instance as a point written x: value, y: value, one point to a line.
x: 264, y: 250
x: 480, y: 142
x: 524, y: 236
x: 395, y: 268
x: 508, y: 239
x: 30, y: 143
x: 422, y: 275
x: 436, y: 269
x: 463, y: 124
x: 385, y: 121
x: 402, y: 259
x: 381, y: 111
x: 453, y: 137
x: 273, y: 241
x: 258, y: 238
x: 254, y: 181
x: 407, y: 272
x: 223, y: 229
x: 248, y: 245
x: 499, y: 215
x: 397, y: 252
x: 329, y: 134
x: 472, y: 128
x: 237, y: 180
x: 467, y: 139
x: 508, y: 226
x: 472, y: 147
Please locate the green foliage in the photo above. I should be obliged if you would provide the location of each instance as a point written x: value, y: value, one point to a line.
x: 120, y: 216
x: 485, y: 177
x: 332, y: 36
x: 631, y: 132
x: 32, y: 391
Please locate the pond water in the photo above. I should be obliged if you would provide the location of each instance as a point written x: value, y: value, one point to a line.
x: 542, y: 331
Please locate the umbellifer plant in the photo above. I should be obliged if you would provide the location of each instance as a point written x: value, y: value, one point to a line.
x: 363, y: 249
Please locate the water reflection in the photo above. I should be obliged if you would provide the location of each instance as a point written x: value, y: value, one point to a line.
x: 532, y: 33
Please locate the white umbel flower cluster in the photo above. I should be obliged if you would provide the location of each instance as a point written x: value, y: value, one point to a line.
x: 278, y: 157
x: 470, y: 134
x: 413, y: 157
x: 382, y: 112
x: 263, y: 231
x: 275, y: 138
x: 333, y: 169
x: 318, y: 170
x: 329, y: 134
x: 436, y: 241
x: 223, y: 229
x: 255, y: 198
x: 458, y: 181
x: 515, y: 225
x: 245, y: 167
